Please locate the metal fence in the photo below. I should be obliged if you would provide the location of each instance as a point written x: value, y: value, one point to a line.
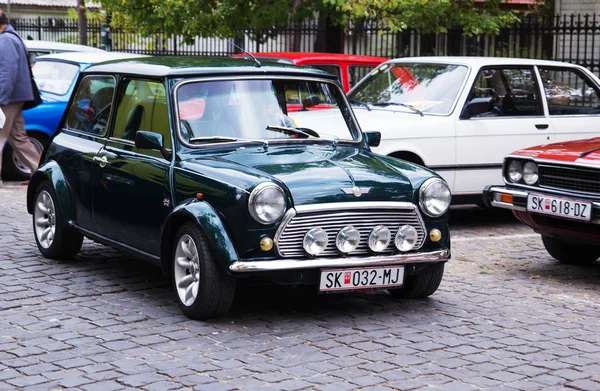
x: 571, y: 38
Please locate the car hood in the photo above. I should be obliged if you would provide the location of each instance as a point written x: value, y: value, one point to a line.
x: 576, y: 151
x: 318, y: 174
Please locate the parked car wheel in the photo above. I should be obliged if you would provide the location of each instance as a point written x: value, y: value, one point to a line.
x: 423, y: 284
x: 12, y: 166
x: 570, y: 253
x: 202, y: 290
x: 54, y: 238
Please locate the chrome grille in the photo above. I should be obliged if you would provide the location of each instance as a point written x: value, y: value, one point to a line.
x: 289, y: 239
x: 570, y: 178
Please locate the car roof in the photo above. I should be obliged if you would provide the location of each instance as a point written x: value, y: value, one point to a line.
x: 88, y: 57
x: 200, y: 65
x: 59, y: 46
x: 317, y: 56
x: 479, y: 61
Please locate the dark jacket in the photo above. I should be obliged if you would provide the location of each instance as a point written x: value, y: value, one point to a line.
x: 15, y: 80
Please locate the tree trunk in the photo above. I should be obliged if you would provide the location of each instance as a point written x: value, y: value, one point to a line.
x: 330, y: 38
x: 82, y: 22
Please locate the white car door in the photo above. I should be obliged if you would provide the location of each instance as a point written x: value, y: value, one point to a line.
x: 503, y: 112
x: 573, y: 99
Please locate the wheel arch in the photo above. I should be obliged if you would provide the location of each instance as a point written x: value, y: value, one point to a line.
x: 204, y: 215
x: 408, y: 156
x: 51, y: 171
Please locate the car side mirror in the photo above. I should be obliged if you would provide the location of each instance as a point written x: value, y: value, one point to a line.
x: 373, y: 138
x: 151, y: 140
x: 477, y: 106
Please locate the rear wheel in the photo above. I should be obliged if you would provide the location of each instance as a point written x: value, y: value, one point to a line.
x: 202, y: 290
x: 570, y: 252
x: 12, y: 166
x: 423, y: 284
x: 54, y: 238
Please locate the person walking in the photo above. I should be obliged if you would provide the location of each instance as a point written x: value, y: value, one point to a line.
x: 15, y: 90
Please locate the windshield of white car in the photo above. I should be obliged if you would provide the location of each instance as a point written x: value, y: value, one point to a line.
x: 429, y: 88
x: 53, y: 76
x: 263, y: 109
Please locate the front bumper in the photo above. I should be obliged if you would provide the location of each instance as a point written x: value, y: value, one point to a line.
x: 316, y: 263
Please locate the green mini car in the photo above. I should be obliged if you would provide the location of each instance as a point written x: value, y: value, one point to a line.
x: 219, y: 169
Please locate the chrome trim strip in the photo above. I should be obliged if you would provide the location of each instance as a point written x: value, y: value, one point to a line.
x: 308, y: 263
x: 289, y: 215
x: 343, y: 206
x: 555, y: 162
x: 509, y: 191
x: 506, y: 205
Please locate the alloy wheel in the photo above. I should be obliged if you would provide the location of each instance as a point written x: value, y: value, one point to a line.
x: 187, y: 270
x: 45, y: 219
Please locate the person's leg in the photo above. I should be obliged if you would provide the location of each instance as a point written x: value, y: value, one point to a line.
x: 18, y: 139
x: 10, y: 113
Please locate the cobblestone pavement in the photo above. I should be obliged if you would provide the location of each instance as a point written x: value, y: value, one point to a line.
x: 506, y: 317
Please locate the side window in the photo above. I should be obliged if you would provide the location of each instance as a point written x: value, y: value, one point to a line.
x: 91, y: 106
x: 142, y: 106
x: 569, y: 92
x: 356, y: 73
x: 331, y: 69
x: 500, y: 92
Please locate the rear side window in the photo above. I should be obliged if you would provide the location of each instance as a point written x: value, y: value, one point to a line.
x: 357, y: 72
x: 54, y: 77
x: 331, y: 69
x: 91, y: 106
x: 569, y: 92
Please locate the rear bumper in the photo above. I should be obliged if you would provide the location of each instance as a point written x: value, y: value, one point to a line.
x: 316, y: 263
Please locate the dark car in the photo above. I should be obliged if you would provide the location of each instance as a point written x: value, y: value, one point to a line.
x: 195, y: 165
x: 555, y: 189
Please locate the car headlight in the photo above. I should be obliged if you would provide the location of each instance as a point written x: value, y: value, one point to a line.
x: 434, y: 197
x: 266, y: 203
x: 530, y: 173
x: 515, y: 171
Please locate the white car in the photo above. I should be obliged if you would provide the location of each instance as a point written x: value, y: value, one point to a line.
x: 40, y: 48
x: 460, y: 116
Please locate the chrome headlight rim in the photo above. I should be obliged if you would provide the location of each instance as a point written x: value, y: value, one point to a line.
x: 255, y: 194
x: 530, y: 178
x: 375, y: 238
x: 425, y: 187
x: 312, y: 235
x: 406, y: 234
x: 347, y: 235
x: 514, y: 166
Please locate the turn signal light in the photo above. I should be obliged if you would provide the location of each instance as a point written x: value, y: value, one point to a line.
x: 435, y: 235
x: 508, y: 198
x: 266, y: 243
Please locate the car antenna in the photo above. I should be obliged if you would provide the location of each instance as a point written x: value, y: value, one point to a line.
x: 256, y: 62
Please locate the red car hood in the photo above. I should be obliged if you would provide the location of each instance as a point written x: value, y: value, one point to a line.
x: 580, y: 151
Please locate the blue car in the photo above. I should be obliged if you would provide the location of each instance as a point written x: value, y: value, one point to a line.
x: 55, y: 75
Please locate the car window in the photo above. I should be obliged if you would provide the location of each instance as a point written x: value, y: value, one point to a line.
x: 142, y: 106
x: 569, y: 91
x: 331, y: 69
x: 90, y: 107
x: 250, y: 109
x: 357, y: 72
x: 54, y: 77
x: 499, y: 92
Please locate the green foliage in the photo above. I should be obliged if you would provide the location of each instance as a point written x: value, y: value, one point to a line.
x: 225, y: 18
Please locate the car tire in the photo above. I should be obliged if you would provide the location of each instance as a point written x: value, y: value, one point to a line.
x: 569, y: 252
x: 423, y: 284
x: 201, y: 289
x: 54, y: 238
x: 12, y: 166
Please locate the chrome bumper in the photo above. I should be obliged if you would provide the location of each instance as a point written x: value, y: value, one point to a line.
x: 492, y: 196
x: 316, y: 263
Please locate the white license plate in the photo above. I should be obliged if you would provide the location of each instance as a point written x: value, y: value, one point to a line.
x: 556, y: 206
x: 350, y: 279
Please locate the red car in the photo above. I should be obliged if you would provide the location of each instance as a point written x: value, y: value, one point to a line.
x: 555, y: 189
x: 349, y: 68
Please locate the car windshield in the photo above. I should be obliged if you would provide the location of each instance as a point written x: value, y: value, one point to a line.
x: 228, y: 110
x: 53, y: 76
x: 428, y: 88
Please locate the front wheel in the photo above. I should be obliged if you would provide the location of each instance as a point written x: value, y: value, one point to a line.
x: 423, y: 284
x: 569, y: 252
x: 202, y: 290
x: 54, y: 238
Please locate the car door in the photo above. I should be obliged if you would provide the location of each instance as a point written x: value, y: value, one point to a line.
x: 573, y: 99
x: 84, y: 134
x: 134, y: 199
x: 502, y: 113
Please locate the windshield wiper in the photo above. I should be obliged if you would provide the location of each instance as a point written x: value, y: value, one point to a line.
x: 299, y: 131
x: 216, y: 139
x: 400, y: 104
x: 360, y: 103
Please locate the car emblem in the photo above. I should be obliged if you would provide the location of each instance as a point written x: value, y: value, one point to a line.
x: 357, y: 191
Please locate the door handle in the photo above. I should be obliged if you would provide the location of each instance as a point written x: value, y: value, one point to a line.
x: 101, y: 160
x: 541, y: 126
